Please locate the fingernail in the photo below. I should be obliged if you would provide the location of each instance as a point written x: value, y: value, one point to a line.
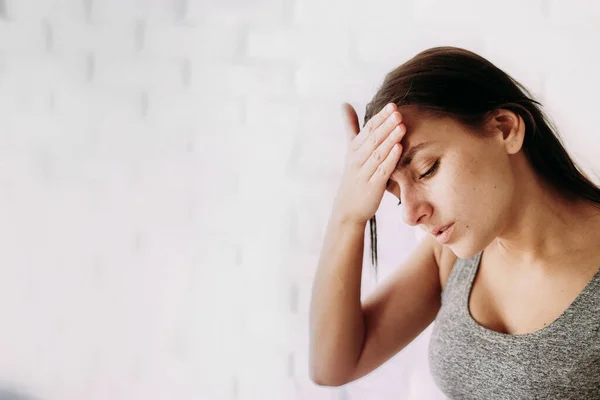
x: 389, y: 107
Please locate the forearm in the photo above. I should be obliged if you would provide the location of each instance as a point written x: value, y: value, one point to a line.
x: 336, y: 320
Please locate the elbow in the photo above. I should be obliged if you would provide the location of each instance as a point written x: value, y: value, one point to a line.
x: 326, y: 381
x: 324, y: 371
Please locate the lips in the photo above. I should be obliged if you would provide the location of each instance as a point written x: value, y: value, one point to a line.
x: 446, y: 234
x: 441, y: 230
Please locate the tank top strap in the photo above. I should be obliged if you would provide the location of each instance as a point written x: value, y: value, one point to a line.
x: 459, y: 281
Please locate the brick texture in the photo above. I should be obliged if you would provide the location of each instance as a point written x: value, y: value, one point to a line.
x: 169, y: 167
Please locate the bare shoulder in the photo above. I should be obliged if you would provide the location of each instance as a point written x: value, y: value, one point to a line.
x: 445, y: 260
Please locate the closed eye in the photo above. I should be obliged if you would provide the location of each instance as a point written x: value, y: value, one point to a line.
x: 431, y: 171
x: 426, y: 175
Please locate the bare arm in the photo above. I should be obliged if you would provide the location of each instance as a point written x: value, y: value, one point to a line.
x: 336, y: 319
x: 337, y: 325
x: 400, y: 308
x: 350, y: 340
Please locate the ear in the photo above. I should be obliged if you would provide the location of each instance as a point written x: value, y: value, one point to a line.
x: 510, y: 128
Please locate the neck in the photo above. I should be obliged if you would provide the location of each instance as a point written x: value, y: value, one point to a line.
x: 544, y: 226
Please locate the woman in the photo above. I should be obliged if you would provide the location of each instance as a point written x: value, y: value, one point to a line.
x: 513, y: 280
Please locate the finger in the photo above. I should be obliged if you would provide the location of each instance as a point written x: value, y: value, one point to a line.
x: 378, y: 136
x: 382, y: 151
x: 385, y: 169
x: 374, y: 123
x: 350, y: 118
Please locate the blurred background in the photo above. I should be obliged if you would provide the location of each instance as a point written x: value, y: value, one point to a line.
x: 169, y: 166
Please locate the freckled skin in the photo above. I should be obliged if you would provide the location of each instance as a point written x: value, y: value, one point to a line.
x: 485, y: 185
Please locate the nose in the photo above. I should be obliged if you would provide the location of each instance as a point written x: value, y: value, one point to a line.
x: 415, y: 210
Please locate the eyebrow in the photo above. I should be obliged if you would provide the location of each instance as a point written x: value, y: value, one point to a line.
x: 408, y: 156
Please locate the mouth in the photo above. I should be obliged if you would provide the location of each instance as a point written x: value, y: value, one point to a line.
x: 444, y: 235
x: 443, y: 229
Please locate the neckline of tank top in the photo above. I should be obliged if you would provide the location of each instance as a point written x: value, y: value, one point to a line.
x: 490, y: 333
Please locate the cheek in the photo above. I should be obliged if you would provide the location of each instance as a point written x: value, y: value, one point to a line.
x: 482, y: 189
x: 468, y: 187
x: 460, y: 180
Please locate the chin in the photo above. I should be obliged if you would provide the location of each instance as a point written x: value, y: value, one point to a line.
x: 465, y: 255
x: 464, y: 252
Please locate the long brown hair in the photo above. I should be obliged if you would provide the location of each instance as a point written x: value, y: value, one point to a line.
x: 457, y: 83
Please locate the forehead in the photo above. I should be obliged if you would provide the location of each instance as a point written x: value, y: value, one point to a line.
x: 423, y: 127
x: 425, y: 133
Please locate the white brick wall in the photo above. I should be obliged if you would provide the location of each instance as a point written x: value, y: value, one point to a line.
x: 169, y: 167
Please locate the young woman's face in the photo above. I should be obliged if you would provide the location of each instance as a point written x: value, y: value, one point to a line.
x: 459, y: 178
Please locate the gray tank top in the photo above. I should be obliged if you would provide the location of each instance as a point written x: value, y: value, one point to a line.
x: 470, y: 361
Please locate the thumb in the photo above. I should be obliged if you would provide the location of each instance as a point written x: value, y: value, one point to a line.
x: 350, y: 118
